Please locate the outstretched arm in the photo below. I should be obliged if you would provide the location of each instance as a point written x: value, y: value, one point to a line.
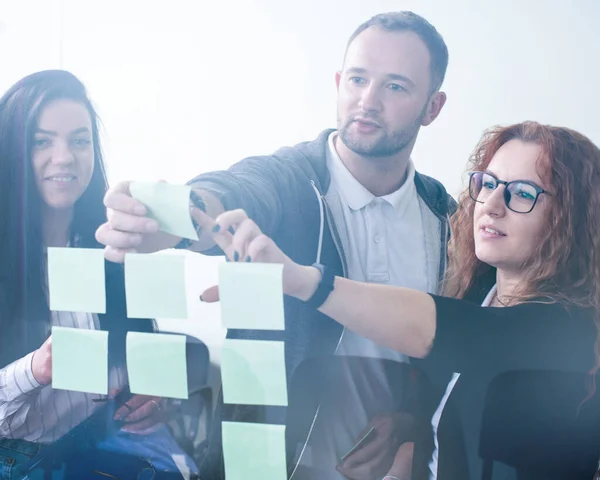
x: 398, y: 318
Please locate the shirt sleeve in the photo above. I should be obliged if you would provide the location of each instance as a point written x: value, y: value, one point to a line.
x: 17, y: 388
x: 533, y: 336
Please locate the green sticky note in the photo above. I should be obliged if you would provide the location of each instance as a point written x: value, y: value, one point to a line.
x: 80, y: 360
x: 252, y: 450
x: 251, y: 295
x: 155, y: 285
x: 76, y: 280
x: 156, y: 364
x: 168, y: 204
x: 253, y: 372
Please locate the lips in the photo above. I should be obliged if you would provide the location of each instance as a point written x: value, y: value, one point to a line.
x: 490, y: 230
x: 61, y: 178
x: 366, y: 122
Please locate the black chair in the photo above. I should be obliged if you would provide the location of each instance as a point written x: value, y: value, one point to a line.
x: 532, y: 422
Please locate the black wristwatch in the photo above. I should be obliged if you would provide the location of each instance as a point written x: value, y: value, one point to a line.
x: 324, y: 288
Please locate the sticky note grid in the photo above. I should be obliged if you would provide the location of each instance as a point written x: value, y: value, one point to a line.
x: 253, y: 371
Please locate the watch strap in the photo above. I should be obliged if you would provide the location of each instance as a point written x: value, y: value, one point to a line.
x: 324, y: 288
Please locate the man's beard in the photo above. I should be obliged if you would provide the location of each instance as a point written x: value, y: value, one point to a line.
x: 386, y: 144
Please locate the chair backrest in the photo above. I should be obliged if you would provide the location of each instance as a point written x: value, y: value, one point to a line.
x: 532, y: 422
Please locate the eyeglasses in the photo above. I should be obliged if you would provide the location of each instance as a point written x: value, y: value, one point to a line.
x: 520, y: 196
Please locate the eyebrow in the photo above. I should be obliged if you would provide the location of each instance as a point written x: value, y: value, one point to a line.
x: 391, y: 76
x: 489, y: 172
x: 54, y: 134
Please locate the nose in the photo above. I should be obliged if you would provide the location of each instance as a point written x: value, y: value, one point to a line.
x: 369, y: 99
x: 61, y: 153
x: 495, y: 205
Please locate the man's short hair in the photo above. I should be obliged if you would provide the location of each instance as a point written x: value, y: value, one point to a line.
x: 411, y: 22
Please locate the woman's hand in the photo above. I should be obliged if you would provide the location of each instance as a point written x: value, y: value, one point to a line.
x: 242, y: 241
x: 41, y: 363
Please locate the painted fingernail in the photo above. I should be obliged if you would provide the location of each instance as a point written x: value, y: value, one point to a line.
x: 236, y: 256
x: 248, y: 259
x: 201, y: 299
x: 231, y: 230
x: 216, y: 228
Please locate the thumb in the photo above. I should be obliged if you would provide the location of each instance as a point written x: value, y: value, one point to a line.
x: 210, y: 295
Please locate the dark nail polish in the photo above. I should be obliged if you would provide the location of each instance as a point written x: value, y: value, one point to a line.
x: 248, y: 259
x: 231, y: 230
x: 236, y: 256
x: 216, y: 228
x: 201, y: 299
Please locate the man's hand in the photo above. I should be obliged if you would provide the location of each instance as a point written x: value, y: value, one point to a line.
x: 41, y: 363
x: 128, y: 229
x: 402, y: 466
x: 141, y: 413
x: 376, y: 456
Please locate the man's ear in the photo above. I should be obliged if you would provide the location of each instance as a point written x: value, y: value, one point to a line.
x: 338, y: 76
x: 434, y: 107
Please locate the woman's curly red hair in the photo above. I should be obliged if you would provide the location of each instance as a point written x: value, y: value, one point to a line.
x: 566, y: 267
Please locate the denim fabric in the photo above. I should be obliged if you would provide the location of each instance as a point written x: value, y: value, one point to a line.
x: 13, y: 454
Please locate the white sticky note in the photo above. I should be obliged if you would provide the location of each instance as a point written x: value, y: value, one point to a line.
x: 155, y: 285
x: 254, y: 451
x: 156, y: 364
x: 251, y: 295
x: 76, y: 281
x: 168, y: 204
x: 253, y: 372
x: 80, y: 360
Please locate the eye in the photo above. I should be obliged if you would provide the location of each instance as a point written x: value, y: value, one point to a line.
x: 396, y: 87
x: 489, y: 184
x: 525, y: 194
x: 81, y: 142
x: 357, y: 80
x: 41, y: 143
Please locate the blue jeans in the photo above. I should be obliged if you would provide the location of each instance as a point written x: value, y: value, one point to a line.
x: 14, y: 454
x: 158, y: 448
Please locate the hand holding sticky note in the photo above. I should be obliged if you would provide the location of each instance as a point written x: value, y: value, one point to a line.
x: 80, y: 360
x: 168, y: 204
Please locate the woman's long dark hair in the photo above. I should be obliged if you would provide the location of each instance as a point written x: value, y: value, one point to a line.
x: 24, y: 313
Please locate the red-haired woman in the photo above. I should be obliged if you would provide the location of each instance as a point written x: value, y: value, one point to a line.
x: 524, y: 272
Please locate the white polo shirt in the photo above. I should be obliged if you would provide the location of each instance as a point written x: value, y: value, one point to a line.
x: 383, y: 242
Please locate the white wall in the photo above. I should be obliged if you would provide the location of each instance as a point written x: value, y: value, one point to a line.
x: 198, y: 85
